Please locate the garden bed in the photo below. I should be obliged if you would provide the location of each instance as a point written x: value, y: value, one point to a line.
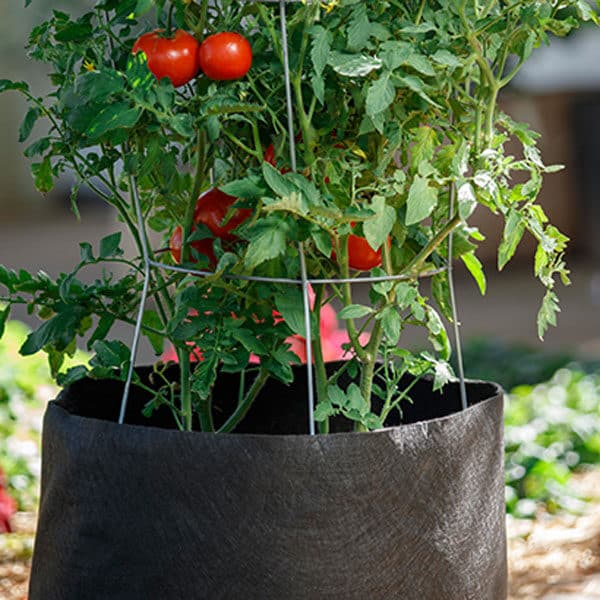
x: 15, y: 557
x: 558, y: 554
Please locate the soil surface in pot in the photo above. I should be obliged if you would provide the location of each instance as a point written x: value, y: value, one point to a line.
x: 279, y: 409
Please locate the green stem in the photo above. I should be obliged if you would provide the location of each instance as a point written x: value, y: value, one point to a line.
x: 347, y: 299
x: 202, y: 19
x: 256, y: 154
x: 420, y: 13
x: 205, y: 415
x: 490, y: 114
x: 170, y: 20
x: 321, y: 373
x: 390, y: 406
x: 368, y: 369
x: 242, y: 410
x: 417, y: 262
x: 183, y: 354
x: 188, y: 222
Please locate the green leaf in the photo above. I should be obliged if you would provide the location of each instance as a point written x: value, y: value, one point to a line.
x: 165, y: 92
x: 249, y: 340
x: 378, y: 228
x: 420, y: 63
x: 59, y: 330
x: 467, y: 201
x: 395, y: 54
x: 323, y: 411
x: 355, y: 400
x: 355, y: 311
x: 111, y: 354
x: 104, y: 326
x: 475, y: 267
x: 373, y: 422
x: 392, y: 324
x: 514, y: 229
x: 417, y: 85
x: 437, y: 334
x: 114, y: 116
x: 336, y: 396
x: 109, y: 245
x: 268, y: 241
x: 354, y: 65
x: 320, y: 48
x: 249, y: 187
x: 276, y: 181
x: 3, y: 319
x: 318, y: 86
x: 98, y: 86
x: 37, y: 148
x: 446, y: 59
x: 425, y: 142
x: 422, y: 199
x: 29, y: 121
x: 7, y: 84
x: 72, y: 375
x: 74, y: 31
x: 359, y: 28
x: 441, y: 293
x: 322, y: 242
x: 152, y: 320
x: 183, y: 125
x: 548, y: 313
x: 291, y: 307
x: 142, y: 7
x: 85, y: 252
x: 380, y: 95
x: 42, y: 176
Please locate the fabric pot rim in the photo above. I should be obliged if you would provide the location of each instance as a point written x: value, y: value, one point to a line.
x: 127, y: 428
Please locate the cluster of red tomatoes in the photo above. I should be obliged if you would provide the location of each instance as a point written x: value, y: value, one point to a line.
x: 223, y: 56
x: 211, y: 209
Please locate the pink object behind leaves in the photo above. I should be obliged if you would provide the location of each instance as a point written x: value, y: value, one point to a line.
x: 332, y: 340
x: 8, y: 506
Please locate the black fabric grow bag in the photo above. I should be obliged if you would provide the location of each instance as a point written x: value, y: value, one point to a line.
x: 142, y: 512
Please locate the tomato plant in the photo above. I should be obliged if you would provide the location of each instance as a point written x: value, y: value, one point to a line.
x: 384, y: 135
x: 225, y: 56
x: 175, y: 57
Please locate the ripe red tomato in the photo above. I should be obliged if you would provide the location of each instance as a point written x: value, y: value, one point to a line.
x: 202, y: 246
x: 360, y: 254
x: 174, y: 57
x: 361, y: 257
x: 225, y: 56
x: 269, y: 156
x: 212, y: 207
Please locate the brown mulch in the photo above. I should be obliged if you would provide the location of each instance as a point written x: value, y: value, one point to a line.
x: 552, y: 557
x: 15, y: 557
x: 558, y: 556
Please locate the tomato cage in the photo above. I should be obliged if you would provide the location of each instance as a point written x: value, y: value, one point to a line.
x: 305, y: 282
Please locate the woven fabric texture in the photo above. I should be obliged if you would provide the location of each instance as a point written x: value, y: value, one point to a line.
x: 143, y: 512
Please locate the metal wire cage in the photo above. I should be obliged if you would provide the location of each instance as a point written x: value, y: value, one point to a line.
x: 305, y: 281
